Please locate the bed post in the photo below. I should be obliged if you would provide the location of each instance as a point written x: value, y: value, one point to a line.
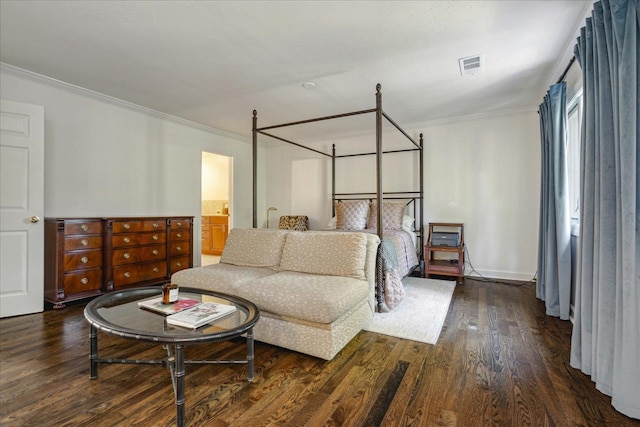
x: 422, y: 242
x: 255, y: 169
x: 333, y: 180
x: 379, y: 156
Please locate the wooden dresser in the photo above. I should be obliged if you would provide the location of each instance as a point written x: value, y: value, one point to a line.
x: 73, y: 258
x: 85, y: 257
x: 215, y: 229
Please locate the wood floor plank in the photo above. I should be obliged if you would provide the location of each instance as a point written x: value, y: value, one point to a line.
x: 499, y: 361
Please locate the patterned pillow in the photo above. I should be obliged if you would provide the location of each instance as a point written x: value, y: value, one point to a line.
x: 294, y: 222
x: 325, y: 252
x: 254, y: 247
x: 352, y: 215
x: 392, y: 214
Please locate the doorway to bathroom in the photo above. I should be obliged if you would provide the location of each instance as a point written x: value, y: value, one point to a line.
x: 216, y: 205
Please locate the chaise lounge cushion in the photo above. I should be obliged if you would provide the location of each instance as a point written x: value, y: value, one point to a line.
x: 310, y: 297
x: 219, y: 277
x: 315, y: 253
x: 254, y: 247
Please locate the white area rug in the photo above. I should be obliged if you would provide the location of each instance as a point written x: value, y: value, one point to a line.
x: 420, y: 315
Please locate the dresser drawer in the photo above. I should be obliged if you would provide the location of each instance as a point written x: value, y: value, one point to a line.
x: 179, y: 248
x: 139, y: 225
x: 184, y: 223
x: 128, y: 274
x: 82, y: 242
x: 139, y: 254
x: 82, y: 260
x: 120, y: 240
x: 83, y: 281
x: 178, y: 264
x: 82, y: 227
x: 180, y: 235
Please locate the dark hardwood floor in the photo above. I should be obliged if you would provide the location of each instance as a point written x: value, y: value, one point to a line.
x: 499, y: 362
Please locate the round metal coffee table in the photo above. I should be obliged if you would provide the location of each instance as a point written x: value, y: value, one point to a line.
x: 118, y: 313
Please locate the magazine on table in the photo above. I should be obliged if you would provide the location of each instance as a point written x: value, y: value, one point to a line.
x: 156, y: 305
x: 201, y: 314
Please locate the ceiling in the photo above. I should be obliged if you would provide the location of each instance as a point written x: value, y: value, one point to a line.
x: 213, y: 62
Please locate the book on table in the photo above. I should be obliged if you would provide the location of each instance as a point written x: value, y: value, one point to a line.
x: 201, y: 314
x: 156, y: 305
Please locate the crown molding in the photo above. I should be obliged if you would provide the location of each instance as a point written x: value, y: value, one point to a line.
x: 469, y: 117
x: 50, y: 81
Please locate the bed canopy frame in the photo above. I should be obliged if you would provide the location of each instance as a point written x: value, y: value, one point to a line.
x: 415, y: 197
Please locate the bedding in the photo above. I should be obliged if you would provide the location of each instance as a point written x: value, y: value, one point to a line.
x: 390, y: 286
x: 397, y: 253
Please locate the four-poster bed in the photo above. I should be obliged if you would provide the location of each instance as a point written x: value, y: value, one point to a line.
x: 380, y: 200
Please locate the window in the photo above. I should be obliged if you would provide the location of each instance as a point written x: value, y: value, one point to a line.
x: 574, y: 126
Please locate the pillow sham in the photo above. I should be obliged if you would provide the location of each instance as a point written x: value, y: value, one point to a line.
x: 392, y: 214
x: 352, y: 215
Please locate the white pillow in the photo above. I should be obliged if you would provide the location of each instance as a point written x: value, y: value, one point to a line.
x: 407, y: 222
x: 332, y: 223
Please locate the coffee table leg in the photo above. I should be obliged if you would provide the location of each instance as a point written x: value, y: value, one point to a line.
x: 179, y: 390
x: 93, y: 357
x: 250, y: 355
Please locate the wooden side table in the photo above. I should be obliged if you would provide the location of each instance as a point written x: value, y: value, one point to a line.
x: 453, y: 264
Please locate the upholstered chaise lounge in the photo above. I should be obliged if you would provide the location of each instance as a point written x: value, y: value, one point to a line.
x: 315, y: 289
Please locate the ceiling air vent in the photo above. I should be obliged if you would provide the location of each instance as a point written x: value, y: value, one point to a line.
x: 471, y: 65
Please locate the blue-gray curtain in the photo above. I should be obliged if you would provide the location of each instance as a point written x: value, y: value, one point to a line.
x: 554, y: 240
x: 605, y: 343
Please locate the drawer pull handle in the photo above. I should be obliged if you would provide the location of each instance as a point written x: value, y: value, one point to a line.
x: 127, y: 240
x: 156, y: 269
x: 155, y: 225
x: 84, y: 242
x: 155, y: 252
x: 179, y: 235
x: 126, y: 255
x: 84, y: 280
x: 84, y: 260
x: 126, y: 226
x: 178, y: 248
x: 127, y: 274
x: 179, y: 224
x: 84, y: 227
x: 178, y: 264
x: 155, y: 237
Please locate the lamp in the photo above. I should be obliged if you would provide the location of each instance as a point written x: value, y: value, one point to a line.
x: 269, y: 210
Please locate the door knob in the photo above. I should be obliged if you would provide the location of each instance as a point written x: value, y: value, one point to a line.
x: 35, y: 219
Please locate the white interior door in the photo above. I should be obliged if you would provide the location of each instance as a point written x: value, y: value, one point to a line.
x: 21, y: 208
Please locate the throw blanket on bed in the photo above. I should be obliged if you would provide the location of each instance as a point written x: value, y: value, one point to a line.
x: 389, y: 283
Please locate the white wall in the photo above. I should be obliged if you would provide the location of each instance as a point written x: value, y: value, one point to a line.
x: 483, y: 172
x: 492, y: 185
x: 104, y: 158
